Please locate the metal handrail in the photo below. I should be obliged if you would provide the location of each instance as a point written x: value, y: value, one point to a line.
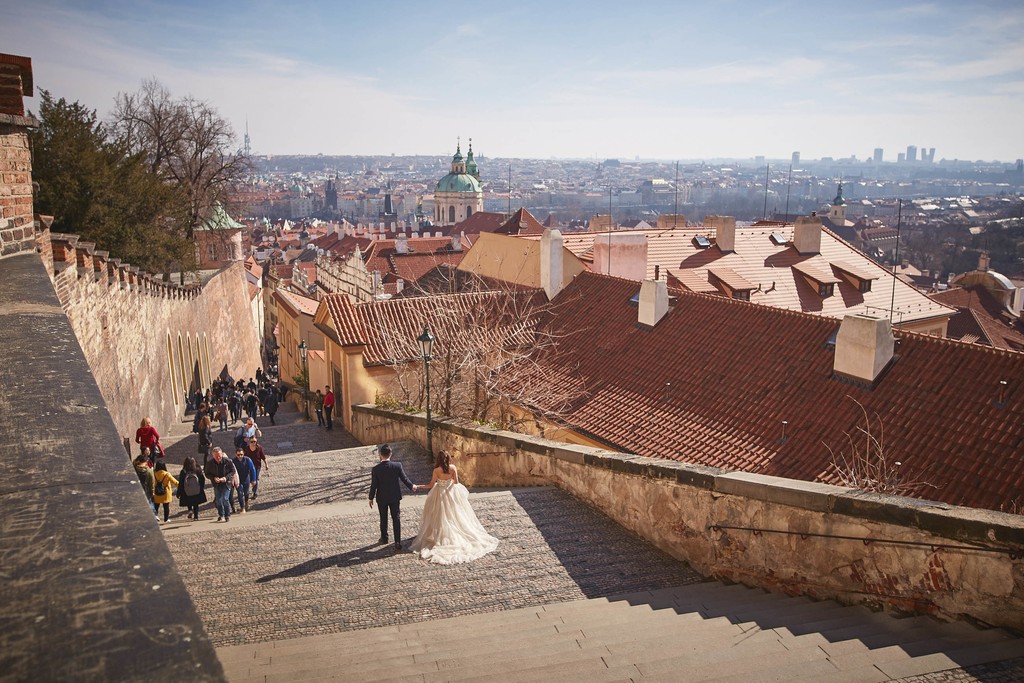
x: 757, y: 531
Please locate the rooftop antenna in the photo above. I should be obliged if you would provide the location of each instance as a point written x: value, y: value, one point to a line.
x: 246, y: 148
x: 675, y: 211
x: 899, y: 220
x: 789, y: 186
x: 767, y: 168
x: 509, y: 190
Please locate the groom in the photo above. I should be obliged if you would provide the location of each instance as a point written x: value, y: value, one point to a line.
x: 384, y: 485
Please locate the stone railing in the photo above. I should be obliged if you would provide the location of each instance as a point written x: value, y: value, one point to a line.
x: 793, y: 536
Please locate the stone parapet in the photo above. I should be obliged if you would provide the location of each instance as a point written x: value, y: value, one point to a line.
x: 889, y: 552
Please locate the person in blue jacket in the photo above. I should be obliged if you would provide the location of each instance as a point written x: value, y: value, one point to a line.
x: 247, y: 476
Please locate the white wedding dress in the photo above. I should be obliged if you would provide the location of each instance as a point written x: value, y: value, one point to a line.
x: 450, y: 533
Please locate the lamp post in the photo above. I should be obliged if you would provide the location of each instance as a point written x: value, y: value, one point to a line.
x: 304, y: 352
x: 426, y: 341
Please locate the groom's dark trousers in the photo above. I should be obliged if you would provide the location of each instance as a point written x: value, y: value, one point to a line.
x: 385, y: 480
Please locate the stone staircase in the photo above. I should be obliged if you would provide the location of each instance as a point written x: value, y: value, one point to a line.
x: 707, y: 631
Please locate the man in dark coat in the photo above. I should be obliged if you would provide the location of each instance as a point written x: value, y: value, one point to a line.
x: 270, y: 404
x: 384, y: 486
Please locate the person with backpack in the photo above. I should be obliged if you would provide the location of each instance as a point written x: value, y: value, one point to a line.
x: 221, y: 473
x: 146, y: 478
x: 234, y: 404
x: 162, y: 488
x: 192, y: 491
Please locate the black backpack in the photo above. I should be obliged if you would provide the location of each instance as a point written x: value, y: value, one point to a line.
x: 160, y: 489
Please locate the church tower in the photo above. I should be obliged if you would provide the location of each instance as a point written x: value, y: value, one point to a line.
x: 458, y: 195
x: 837, y: 212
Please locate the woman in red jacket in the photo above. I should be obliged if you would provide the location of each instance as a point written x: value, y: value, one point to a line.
x: 147, y: 437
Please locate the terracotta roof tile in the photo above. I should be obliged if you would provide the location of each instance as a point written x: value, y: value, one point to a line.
x: 713, y: 381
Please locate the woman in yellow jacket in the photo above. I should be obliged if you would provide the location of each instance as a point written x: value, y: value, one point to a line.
x: 163, y: 477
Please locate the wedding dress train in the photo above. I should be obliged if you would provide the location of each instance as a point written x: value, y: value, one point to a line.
x: 450, y: 532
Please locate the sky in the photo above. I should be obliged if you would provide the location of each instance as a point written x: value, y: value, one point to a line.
x: 528, y: 79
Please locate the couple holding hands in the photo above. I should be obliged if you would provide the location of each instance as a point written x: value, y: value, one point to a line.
x: 450, y: 532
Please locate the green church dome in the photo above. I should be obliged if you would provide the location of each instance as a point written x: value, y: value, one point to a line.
x: 458, y: 182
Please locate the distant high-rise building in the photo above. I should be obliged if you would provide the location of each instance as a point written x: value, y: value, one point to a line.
x: 795, y: 159
x: 878, y: 155
x: 901, y: 157
x: 928, y: 155
x: 1020, y: 165
x: 911, y: 152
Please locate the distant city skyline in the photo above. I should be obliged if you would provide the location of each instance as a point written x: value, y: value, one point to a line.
x: 656, y: 80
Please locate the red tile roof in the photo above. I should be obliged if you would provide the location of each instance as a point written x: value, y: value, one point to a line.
x: 522, y: 222
x: 481, y: 221
x: 775, y: 267
x: 388, y: 329
x: 981, y: 318
x: 714, y: 380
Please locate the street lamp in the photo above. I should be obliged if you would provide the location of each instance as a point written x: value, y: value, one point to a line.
x: 304, y: 352
x: 426, y: 341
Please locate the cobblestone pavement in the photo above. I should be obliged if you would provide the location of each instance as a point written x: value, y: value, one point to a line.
x: 1010, y: 671
x: 327, y: 575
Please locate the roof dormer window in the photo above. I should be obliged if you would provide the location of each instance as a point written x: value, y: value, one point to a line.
x: 822, y: 281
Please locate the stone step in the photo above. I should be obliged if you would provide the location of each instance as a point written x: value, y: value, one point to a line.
x: 706, y: 662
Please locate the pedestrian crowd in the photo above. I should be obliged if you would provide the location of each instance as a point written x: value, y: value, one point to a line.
x: 234, y: 480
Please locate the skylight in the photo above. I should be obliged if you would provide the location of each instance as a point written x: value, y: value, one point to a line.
x: 702, y: 242
x: 777, y: 239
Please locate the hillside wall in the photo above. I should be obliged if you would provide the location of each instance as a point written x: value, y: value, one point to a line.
x: 797, y: 537
x: 148, y: 342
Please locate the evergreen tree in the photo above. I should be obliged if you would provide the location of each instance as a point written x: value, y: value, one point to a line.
x: 95, y: 188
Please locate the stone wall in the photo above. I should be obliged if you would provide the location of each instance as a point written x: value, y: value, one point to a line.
x: 148, y: 341
x: 16, y: 224
x: 797, y: 537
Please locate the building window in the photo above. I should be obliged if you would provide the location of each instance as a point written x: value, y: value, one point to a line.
x: 826, y: 289
x: 469, y: 211
x: 211, y: 252
x: 451, y: 214
x: 865, y: 286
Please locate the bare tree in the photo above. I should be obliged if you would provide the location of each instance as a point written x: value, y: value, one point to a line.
x: 184, y: 140
x: 866, y: 464
x: 493, y: 360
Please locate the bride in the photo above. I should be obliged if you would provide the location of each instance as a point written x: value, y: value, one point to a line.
x: 450, y: 533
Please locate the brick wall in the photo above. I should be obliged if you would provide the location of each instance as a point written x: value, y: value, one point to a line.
x: 16, y: 225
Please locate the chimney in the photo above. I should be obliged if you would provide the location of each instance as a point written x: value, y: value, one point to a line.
x: 864, y: 347
x: 725, y: 231
x: 807, y: 234
x: 402, y: 244
x: 653, y: 302
x: 15, y: 84
x: 983, y: 261
x: 399, y: 285
x: 457, y: 241
x: 551, y: 262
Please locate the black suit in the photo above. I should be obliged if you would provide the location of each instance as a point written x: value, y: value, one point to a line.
x: 385, y: 480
